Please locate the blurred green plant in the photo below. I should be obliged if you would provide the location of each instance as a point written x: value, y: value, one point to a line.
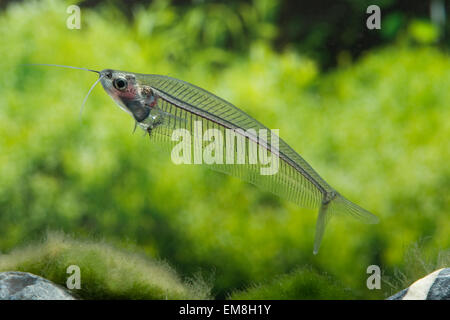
x: 376, y: 129
x: 424, y: 32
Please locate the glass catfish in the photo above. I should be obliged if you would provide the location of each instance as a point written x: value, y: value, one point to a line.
x: 161, y: 104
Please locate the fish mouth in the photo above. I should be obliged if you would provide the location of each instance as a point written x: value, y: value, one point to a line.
x: 106, y: 80
x: 107, y: 73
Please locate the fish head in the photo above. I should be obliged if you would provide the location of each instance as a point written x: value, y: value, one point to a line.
x: 128, y: 93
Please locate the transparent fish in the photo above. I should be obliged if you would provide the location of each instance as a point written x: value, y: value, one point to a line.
x: 161, y: 104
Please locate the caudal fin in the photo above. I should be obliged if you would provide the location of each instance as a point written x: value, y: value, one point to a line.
x: 339, y: 205
x: 322, y: 219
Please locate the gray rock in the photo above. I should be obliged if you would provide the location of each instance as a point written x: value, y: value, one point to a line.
x: 440, y: 290
x: 435, y: 286
x: 26, y: 286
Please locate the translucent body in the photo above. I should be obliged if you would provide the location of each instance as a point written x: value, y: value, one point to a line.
x: 174, y: 104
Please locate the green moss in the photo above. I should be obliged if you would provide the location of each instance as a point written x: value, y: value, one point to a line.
x: 303, y: 283
x: 106, y: 272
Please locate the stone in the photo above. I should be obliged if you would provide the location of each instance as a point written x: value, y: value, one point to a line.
x: 26, y: 286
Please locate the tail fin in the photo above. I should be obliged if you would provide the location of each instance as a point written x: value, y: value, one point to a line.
x: 322, y: 219
x: 338, y: 205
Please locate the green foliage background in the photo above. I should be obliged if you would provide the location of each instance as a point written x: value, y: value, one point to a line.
x: 376, y: 129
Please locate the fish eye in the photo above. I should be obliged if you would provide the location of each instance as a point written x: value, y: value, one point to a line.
x: 120, y: 83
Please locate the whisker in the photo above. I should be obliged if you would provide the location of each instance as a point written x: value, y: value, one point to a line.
x: 89, y: 92
x: 61, y: 66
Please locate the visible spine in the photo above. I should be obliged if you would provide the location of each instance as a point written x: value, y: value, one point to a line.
x: 205, y: 114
